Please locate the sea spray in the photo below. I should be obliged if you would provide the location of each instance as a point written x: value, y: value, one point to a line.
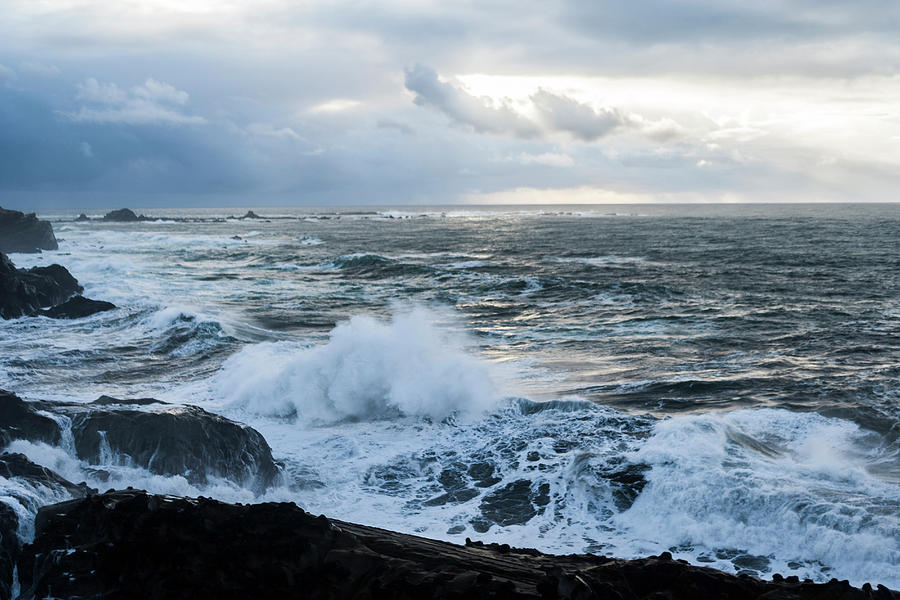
x: 369, y: 369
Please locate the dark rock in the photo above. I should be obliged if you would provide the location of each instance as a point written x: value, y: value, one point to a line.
x: 251, y: 215
x: 26, y: 291
x: 25, y: 233
x: 19, y: 420
x: 14, y: 465
x: 9, y: 549
x: 133, y: 544
x: 171, y: 440
x: 123, y: 214
x: 81, y: 218
x: 17, y: 467
x: 77, y: 308
x: 110, y: 401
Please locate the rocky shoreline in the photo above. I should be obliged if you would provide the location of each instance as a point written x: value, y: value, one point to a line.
x: 126, y: 544
x: 129, y: 543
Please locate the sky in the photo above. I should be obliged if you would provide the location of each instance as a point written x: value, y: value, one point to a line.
x: 273, y: 102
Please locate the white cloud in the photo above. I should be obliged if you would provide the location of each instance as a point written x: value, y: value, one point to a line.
x: 335, y: 105
x: 550, y: 159
x: 151, y: 102
x: 39, y: 68
x: 86, y: 150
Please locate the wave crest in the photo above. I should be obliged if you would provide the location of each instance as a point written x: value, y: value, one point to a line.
x: 369, y: 369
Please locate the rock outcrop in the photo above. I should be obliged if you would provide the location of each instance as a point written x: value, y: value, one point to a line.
x: 130, y: 543
x: 77, y: 307
x: 124, y: 215
x: 22, y: 482
x: 163, y: 438
x: 27, y: 292
x: 20, y: 420
x: 20, y: 232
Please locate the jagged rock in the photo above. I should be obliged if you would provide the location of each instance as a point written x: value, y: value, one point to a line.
x: 81, y: 218
x: 25, y: 475
x: 26, y: 291
x: 251, y: 215
x: 129, y: 544
x: 20, y: 232
x: 123, y: 214
x: 19, y: 466
x: 77, y: 308
x: 9, y: 549
x: 20, y: 420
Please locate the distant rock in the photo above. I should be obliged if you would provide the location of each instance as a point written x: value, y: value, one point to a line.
x: 251, y: 215
x: 20, y: 232
x: 130, y: 544
x: 123, y: 215
x: 82, y: 217
x: 27, y: 291
x: 77, y: 307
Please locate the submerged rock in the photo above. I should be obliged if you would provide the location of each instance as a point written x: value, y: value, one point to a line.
x: 133, y: 544
x: 77, y: 308
x: 20, y: 232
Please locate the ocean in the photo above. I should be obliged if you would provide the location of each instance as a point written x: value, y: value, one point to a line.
x: 718, y: 381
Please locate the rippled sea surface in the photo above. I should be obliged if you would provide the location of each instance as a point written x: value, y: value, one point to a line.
x: 718, y: 381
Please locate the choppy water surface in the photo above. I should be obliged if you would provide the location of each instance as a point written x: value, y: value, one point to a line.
x: 721, y: 382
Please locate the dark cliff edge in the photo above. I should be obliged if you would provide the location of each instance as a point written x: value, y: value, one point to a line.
x: 20, y: 232
x: 130, y: 544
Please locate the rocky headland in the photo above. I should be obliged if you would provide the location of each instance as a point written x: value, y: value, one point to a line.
x: 20, y: 232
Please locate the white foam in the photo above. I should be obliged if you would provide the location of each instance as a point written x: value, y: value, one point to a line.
x: 792, y: 487
x: 369, y: 369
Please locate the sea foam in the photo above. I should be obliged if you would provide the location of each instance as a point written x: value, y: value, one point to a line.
x: 369, y: 369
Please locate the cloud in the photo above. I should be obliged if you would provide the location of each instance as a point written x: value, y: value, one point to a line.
x: 544, y: 114
x: 152, y: 102
x: 39, y: 68
x: 561, y: 113
x: 480, y: 114
x: 549, y: 159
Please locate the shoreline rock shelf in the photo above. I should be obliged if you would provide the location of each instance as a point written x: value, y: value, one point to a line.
x: 133, y: 544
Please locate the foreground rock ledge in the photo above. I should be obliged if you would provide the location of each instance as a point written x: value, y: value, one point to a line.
x: 131, y: 544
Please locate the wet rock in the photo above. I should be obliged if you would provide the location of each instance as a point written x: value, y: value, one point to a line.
x: 170, y: 440
x: 14, y: 465
x: 124, y: 215
x: 77, y: 307
x: 27, y: 291
x: 9, y: 549
x: 81, y: 218
x: 251, y: 215
x: 20, y: 232
x: 133, y: 544
x: 20, y: 420
x: 24, y: 474
x: 510, y: 505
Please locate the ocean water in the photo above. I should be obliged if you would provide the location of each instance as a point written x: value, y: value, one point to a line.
x: 718, y: 381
